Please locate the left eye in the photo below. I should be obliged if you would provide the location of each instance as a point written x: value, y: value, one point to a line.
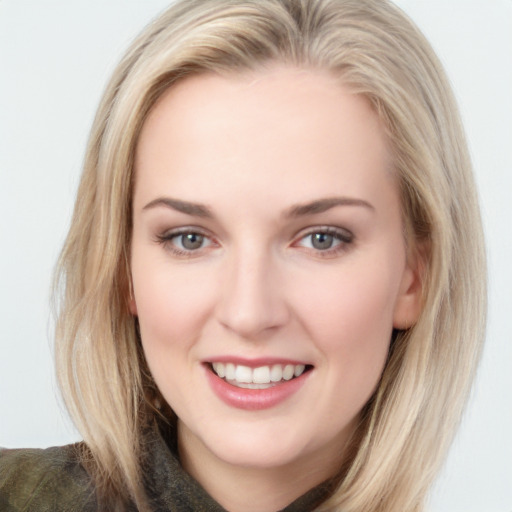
x: 322, y: 241
x: 325, y: 240
x: 190, y: 241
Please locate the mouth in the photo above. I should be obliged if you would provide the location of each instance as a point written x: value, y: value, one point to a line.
x: 259, y: 377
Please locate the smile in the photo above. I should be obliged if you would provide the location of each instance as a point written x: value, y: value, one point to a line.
x: 258, y: 386
x: 260, y: 377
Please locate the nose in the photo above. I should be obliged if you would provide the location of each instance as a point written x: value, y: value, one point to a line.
x: 252, y: 301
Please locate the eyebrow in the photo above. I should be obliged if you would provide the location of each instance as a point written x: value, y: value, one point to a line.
x: 195, y: 209
x: 299, y: 210
x: 322, y: 205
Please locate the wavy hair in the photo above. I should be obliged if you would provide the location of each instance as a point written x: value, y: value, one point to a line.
x: 409, y: 423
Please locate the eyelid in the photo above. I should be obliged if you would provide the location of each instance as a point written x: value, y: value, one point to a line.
x: 343, y: 235
x: 165, y: 238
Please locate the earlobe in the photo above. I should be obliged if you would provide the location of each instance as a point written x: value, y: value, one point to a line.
x: 132, y: 305
x: 410, y: 298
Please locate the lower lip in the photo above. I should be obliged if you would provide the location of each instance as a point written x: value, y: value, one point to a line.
x: 254, y: 399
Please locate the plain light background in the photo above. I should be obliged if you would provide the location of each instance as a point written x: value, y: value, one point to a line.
x: 55, y: 58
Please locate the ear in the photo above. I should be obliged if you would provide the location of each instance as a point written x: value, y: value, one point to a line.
x: 410, y: 297
x: 132, y: 305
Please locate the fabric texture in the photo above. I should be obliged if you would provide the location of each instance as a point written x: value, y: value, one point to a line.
x: 53, y: 480
x: 50, y: 480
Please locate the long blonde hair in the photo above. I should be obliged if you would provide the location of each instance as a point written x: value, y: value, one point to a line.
x: 374, y: 48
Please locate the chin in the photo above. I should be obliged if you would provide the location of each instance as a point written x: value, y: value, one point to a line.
x: 259, y: 455
x: 264, y: 446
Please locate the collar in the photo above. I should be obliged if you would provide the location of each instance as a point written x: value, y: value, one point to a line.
x: 169, y: 487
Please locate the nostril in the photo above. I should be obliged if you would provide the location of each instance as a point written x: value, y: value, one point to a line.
x: 251, y: 301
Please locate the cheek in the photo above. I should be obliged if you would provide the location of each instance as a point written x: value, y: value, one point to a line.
x: 173, y: 305
x: 170, y: 310
x: 350, y: 319
x: 358, y: 299
x: 165, y: 301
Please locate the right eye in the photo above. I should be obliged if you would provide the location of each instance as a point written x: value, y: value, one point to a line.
x: 325, y: 241
x: 189, y: 241
x: 185, y: 242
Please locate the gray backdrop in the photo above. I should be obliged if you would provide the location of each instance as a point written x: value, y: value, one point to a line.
x: 55, y: 57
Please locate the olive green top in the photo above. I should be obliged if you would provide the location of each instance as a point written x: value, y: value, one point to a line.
x: 54, y: 480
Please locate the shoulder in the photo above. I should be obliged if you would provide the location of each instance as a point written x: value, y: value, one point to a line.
x: 44, y: 480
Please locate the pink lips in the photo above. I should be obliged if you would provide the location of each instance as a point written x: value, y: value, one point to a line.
x: 254, y: 399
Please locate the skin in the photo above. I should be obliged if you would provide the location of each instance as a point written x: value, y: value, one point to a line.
x: 250, y: 148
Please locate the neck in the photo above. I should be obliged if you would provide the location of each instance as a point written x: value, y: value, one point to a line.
x: 252, y: 489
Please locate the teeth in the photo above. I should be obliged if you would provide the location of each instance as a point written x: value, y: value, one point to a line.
x: 276, y: 373
x: 230, y: 371
x: 261, y: 375
x: 219, y: 369
x: 243, y: 374
x: 254, y: 377
x: 299, y: 370
x: 288, y: 372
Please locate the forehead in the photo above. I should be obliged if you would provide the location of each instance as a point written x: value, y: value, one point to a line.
x: 262, y: 130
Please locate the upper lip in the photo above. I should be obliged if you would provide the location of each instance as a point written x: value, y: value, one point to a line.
x: 255, y: 362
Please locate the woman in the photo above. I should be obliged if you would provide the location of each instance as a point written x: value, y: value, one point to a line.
x: 274, y: 259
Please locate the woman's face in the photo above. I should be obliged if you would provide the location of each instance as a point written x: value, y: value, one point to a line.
x: 268, y: 261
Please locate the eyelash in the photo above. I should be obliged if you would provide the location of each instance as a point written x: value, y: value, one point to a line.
x: 344, y: 238
x: 166, y: 239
